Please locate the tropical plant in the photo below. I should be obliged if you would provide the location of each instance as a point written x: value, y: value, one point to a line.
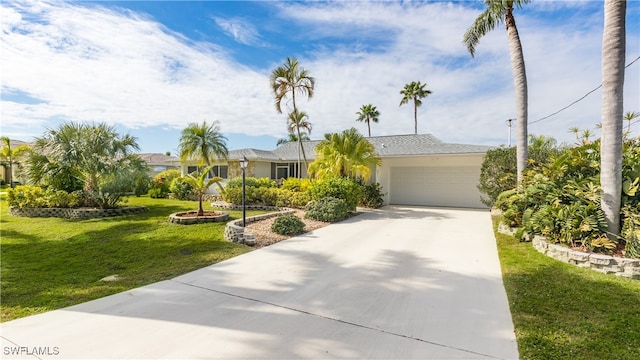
x: 498, y: 12
x: 344, y: 154
x: 255, y: 192
x: 368, y: 113
x: 372, y: 195
x: 414, y: 91
x: 200, y: 184
x: 94, y: 155
x: 289, y: 80
x: 343, y: 188
x: 328, y: 209
x: 497, y: 173
x: 299, y: 120
x: 180, y: 188
x: 292, y: 138
x: 8, y: 156
x: 202, y: 142
x: 613, y: 55
x: 288, y: 224
x: 629, y: 116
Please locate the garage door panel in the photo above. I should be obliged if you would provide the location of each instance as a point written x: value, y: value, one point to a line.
x: 436, y: 186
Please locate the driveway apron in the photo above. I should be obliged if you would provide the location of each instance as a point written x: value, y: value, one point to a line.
x: 395, y: 283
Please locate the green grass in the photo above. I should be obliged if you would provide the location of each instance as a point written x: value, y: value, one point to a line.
x: 50, y: 263
x: 561, y: 311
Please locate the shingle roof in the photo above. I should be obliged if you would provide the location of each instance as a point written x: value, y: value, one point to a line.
x: 159, y: 159
x: 386, y: 146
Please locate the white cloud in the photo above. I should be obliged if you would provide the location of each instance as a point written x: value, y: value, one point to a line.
x: 89, y: 63
x: 240, y: 30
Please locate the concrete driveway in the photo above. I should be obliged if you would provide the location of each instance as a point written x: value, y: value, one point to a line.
x: 395, y: 283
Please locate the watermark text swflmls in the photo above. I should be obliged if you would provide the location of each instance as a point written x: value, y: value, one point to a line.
x: 31, y: 350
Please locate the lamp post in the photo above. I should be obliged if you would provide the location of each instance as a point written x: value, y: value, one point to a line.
x: 243, y: 165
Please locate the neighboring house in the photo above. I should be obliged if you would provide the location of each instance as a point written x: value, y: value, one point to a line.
x: 18, y: 176
x: 158, y: 163
x: 415, y: 170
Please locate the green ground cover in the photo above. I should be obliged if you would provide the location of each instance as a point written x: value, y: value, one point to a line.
x: 50, y: 263
x: 561, y: 311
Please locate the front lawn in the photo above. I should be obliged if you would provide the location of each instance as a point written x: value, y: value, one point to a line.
x: 50, y: 263
x: 561, y: 311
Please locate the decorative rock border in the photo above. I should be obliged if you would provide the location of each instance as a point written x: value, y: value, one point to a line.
x: 227, y: 206
x: 76, y: 213
x: 176, y: 219
x: 234, y: 231
x: 629, y: 268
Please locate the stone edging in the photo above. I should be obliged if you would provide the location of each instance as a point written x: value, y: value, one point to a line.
x: 76, y: 213
x: 628, y: 268
x: 228, y: 206
x: 175, y: 218
x: 234, y: 231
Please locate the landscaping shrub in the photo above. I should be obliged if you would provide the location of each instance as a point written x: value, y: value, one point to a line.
x: 296, y: 185
x: 25, y: 196
x: 328, y: 209
x: 288, y: 224
x: 372, y: 196
x: 497, y: 174
x: 111, y: 190
x: 62, y: 199
x: 561, y: 200
x: 159, y: 185
x: 343, y: 188
x: 258, y: 191
x: 631, y: 231
x: 180, y: 189
x: 293, y: 199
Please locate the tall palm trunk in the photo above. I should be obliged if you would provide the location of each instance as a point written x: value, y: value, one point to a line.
x: 520, y: 87
x: 613, y: 54
x: 304, y: 156
x: 415, y: 115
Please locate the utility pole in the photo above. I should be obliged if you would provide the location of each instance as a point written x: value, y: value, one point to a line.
x: 509, y: 124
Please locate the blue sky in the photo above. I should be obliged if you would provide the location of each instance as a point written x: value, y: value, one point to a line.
x: 151, y: 67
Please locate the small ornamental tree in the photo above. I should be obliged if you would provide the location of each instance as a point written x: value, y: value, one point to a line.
x: 200, y: 185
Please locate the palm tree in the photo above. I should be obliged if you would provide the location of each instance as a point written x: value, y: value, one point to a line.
x: 613, y: 55
x: 202, y: 142
x: 9, y: 155
x: 414, y: 91
x: 89, y: 152
x: 292, y: 137
x: 499, y: 11
x: 368, y: 113
x: 344, y: 154
x: 299, y: 120
x: 289, y: 80
x: 200, y: 185
x: 629, y: 117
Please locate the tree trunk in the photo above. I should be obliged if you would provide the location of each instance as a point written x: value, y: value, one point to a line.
x: 200, y: 209
x: 415, y: 115
x: 521, y: 96
x: 369, y: 126
x: 613, y: 55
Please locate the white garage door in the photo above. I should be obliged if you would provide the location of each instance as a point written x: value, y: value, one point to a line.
x: 436, y: 186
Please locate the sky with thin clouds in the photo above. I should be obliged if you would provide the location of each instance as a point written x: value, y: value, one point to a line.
x: 151, y: 67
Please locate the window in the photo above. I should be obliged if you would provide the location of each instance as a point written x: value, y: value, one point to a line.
x: 283, y: 170
x: 217, y: 170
